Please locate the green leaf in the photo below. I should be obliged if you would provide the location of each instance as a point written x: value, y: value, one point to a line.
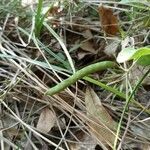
x: 131, y: 53
x: 125, y: 54
x: 141, y: 52
x: 144, y: 60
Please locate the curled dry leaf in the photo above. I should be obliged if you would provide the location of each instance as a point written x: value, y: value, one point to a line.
x: 87, y: 34
x: 112, y: 47
x: 109, y: 21
x: 101, y: 125
x: 46, y: 120
x: 82, y: 54
x: 88, y: 46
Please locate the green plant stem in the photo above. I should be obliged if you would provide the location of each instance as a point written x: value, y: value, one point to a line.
x: 39, y: 9
x: 114, y: 91
x: 39, y: 18
x: 125, y: 107
x: 79, y: 75
x: 106, y: 87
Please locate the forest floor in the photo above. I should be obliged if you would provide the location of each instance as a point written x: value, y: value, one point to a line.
x: 46, y: 42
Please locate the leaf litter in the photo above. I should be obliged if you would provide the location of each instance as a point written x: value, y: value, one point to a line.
x: 84, y: 29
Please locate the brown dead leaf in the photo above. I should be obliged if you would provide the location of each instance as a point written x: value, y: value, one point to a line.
x: 88, y: 46
x: 46, y: 120
x: 87, y: 142
x: 145, y: 146
x: 111, y: 48
x: 87, y: 34
x: 13, y: 132
x: 82, y: 54
x: 137, y: 73
x: 101, y: 124
x: 109, y: 21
